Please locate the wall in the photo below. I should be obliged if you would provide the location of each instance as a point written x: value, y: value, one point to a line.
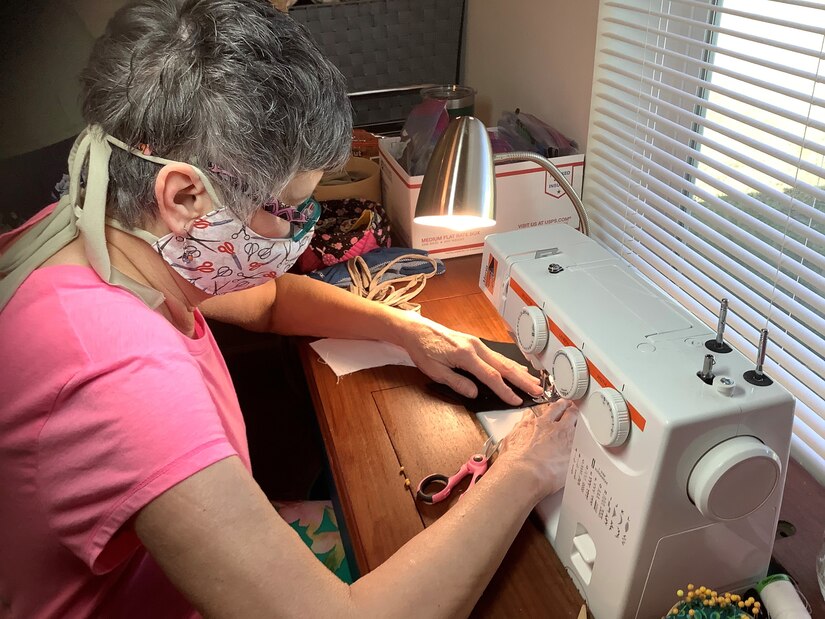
x: 536, y: 55
x: 44, y: 47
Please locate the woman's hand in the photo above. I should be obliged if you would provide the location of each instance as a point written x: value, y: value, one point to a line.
x: 437, y: 350
x: 541, y: 442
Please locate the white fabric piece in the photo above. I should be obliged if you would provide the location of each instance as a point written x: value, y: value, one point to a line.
x: 348, y: 356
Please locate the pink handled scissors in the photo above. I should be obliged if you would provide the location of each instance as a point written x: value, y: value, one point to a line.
x: 476, y: 466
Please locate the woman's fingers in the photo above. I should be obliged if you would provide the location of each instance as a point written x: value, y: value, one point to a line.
x: 514, y: 372
x: 491, y: 377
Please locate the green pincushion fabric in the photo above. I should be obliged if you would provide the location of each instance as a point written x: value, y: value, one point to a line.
x: 700, y: 611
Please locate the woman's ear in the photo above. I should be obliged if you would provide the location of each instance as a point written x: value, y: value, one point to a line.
x: 181, y: 196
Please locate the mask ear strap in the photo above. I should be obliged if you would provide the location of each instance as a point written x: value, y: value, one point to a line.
x: 207, y: 184
x: 91, y: 216
x: 77, y: 157
x: 45, y: 238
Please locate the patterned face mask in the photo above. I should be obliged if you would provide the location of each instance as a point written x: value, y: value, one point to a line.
x: 220, y: 253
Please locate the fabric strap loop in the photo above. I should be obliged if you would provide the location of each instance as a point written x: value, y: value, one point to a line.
x: 397, y: 292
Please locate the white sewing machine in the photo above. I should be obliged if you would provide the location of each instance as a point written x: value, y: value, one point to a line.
x: 678, y: 464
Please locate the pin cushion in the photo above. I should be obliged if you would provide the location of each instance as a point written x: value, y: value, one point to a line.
x: 705, y: 603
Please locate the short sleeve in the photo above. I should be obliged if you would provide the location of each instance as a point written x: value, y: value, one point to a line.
x: 119, y: 435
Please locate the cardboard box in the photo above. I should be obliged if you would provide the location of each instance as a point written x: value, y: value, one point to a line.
x: 526, y: 196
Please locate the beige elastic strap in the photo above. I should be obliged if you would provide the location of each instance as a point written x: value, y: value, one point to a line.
x: 396, y: 292
x: 80, y: 212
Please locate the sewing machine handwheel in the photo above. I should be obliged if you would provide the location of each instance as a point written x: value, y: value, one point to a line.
x: 734, y: 478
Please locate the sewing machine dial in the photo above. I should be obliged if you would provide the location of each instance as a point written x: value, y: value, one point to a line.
x: 531, y: 330
x: 570, y: 375
x: 607, y: 416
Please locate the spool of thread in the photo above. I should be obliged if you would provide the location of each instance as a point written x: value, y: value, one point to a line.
x: 781, y: 599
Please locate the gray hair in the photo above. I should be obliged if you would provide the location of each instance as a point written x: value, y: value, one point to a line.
x: 232, y: 85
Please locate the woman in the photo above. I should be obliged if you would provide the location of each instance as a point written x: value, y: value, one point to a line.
x: 126, y: 482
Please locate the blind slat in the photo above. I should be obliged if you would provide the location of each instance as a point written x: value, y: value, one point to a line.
x: 696, y: 119
x: 688, y: 293
x: 759, y: 104
x: 803, y: 361
x: 728, y: 113
x: 808, y: 434
x: 723, y: 9
x: 746, y: 284
x: 692, y: 23
x: 742, y: 77
x: 708, y: 47
x: 807, y: 457
x: 779, y: 219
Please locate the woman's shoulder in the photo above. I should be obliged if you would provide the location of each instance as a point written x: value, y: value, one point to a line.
x: 67, y: 306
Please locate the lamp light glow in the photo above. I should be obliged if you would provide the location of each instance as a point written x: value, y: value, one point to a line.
x: 460, y: 223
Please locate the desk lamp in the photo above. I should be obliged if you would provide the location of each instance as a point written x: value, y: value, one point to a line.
x: 459, y: 187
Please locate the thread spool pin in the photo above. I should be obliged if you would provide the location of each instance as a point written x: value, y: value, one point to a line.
x: 757, y: 376
x: 718, y: 345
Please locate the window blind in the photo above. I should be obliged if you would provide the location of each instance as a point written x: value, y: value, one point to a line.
x: 706, y: 171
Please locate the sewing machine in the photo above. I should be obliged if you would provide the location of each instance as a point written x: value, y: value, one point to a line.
x: 680, y: 453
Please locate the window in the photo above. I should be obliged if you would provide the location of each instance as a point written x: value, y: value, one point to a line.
x: 706, y: 171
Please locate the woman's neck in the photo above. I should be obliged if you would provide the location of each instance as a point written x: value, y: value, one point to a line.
x: 139, y: 261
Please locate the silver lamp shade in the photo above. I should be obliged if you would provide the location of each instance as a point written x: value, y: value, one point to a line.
x: 459, y: 189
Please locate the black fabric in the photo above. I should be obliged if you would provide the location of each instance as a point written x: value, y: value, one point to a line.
x: 487, y: 400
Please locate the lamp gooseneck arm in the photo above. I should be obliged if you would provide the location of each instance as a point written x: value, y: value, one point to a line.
x: 556, y: 174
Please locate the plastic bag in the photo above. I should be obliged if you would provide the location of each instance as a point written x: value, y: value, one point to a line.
x: 425, y: 124
x: 526, y: 132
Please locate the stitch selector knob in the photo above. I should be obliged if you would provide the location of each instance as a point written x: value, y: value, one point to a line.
x: 531, y: 330
x: 570, y: 374
x: 607, y: 416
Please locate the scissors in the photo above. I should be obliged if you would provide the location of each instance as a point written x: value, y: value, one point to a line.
x: 476, y: 466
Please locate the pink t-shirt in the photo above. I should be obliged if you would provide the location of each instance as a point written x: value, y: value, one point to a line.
x: 104, y: 405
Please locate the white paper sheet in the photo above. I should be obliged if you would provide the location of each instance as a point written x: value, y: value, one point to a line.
x: 347, y: 356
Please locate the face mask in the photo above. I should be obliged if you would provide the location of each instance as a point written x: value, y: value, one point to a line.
x: 219, y: 253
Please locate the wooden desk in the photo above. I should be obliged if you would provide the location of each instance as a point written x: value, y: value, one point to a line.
x: 376, y: 421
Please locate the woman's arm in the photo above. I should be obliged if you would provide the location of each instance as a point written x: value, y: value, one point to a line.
x: 222, y: 544
x: 299, y: 305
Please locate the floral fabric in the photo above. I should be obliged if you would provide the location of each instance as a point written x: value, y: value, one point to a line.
x: 315, y: 523
x: 346, y: 229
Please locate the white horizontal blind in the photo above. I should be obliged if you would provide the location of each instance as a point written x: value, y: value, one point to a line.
x: 706, y: 171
